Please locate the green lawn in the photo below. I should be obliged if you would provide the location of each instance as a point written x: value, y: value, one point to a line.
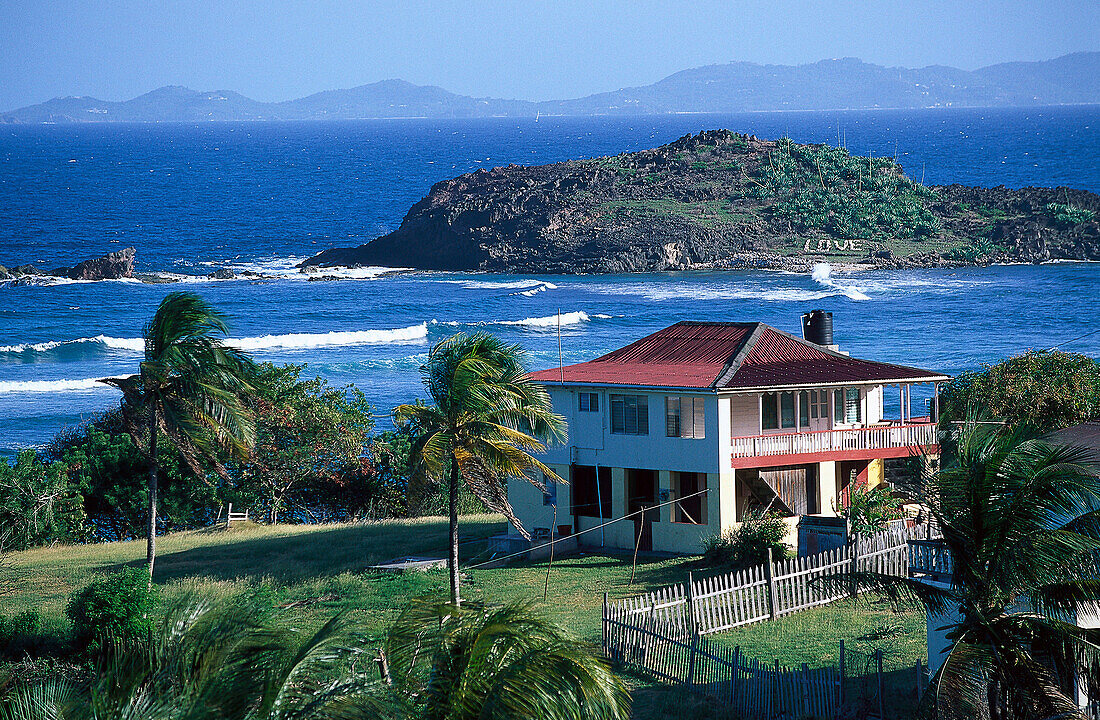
x: 314, y: 571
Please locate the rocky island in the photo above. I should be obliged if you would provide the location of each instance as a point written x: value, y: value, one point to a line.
x: 721, y: 199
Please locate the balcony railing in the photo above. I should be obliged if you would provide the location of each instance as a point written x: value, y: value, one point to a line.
x: 875, y: 437
x: 930, y: 560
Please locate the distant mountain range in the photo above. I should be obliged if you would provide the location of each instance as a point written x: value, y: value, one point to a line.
x: 846, y: 83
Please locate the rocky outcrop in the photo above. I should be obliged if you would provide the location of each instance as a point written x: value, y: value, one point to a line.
x: 723, y: 200
x: 111, y: 266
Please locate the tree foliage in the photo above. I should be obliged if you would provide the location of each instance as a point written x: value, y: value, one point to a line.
x: 467, y: 663
x: 37, y: 504
x: 190, y: 389
x: 308, y: 436
x: 1021, y: 521
x: 870, y: 510
x: 231, y: 660
x: 747, y: 544
x: 1046, y: 390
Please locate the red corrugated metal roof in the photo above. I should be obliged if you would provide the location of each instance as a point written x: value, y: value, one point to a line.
x: 727, y: 355
x: 683, y: 355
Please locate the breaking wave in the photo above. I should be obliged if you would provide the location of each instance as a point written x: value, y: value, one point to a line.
x: 549, y: 321
x: 51, y: 386
x: 336, y: 338
x: 823, y: 274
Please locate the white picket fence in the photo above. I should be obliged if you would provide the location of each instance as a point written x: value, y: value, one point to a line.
x: 765, y: 592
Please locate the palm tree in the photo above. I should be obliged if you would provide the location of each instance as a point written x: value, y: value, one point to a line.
x: 465, y: 663
x: 190, y: 389
x: 486, y: 419
x: 1021, y: 520
x: 226, y: 660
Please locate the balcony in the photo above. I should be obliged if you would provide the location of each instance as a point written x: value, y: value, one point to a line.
x: 876, y: 441
x: 930, y: 560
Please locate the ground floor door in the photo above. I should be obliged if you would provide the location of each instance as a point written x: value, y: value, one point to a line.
x: 791, y: 490
x: 851, y: 476
x: 641, y: 495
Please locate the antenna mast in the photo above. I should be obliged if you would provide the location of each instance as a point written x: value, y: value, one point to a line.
x: 561, y: 368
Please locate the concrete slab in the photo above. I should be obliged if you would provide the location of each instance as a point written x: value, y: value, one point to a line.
x: 411, y: 564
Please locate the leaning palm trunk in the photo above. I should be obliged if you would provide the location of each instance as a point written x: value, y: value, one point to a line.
x: 151, y: 547
x: 452, y: 492
x: 190, y: 388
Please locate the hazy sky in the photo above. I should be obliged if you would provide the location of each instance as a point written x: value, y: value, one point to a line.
x: 524, y: 49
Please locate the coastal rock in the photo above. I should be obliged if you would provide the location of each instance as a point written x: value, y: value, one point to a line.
x: 718, y: 200
x: 222, y: 274
x: 5, y: 274
x: 111, y: 266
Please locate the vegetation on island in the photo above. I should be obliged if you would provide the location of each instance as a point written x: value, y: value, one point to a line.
x: 720, y: 199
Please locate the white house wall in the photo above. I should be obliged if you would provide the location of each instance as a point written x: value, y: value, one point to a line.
x: 590, y: 434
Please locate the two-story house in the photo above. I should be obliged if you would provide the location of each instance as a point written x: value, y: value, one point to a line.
x: 720, y: 418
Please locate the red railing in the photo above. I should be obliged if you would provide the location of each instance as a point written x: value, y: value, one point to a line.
x: 875, y: 437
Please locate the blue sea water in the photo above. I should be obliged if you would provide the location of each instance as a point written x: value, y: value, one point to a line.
x: 193, y: 198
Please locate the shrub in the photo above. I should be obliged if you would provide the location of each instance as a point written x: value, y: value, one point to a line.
x: 870, y: 510
x: 747, y: 544
x: 1066, y: 216
x: 115, y: 609
x: 19, y: 633
x: 37, y: 504
x: 1044, y: 389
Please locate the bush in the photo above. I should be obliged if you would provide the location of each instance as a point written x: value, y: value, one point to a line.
x: 1067, y: 216
x: 19, y: 633
x: 116, y: 609
x: 871, y: 510
x: 747, y: 545
x: 37, y: 505
x: 1046, y: 390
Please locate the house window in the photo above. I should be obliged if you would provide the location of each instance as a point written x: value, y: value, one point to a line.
x: 769, y: 415
x: 684, y: 417
x: 777, y: 410
x: 853, y: 410
x: 804, y: 408
x: 588, y: 402
x: 819, y: 404
x: 629, y: 415
x: 691, y: 507
x: 550, y: 495
x: 786, y: 409
x: 590, y: 500
x: 846, y: 406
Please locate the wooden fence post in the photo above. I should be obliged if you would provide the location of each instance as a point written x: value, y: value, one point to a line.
x: 769, y: 575
x: 693, y: 651
x: 853, y: 555
x: 606, y: 634
x: 689, y: 606
x: 840, y: 687
x: 881, y: 700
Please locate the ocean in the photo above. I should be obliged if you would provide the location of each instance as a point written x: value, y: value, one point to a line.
x: 195, y: 198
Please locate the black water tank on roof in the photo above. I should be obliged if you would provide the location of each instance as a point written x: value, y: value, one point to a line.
x: 817, y: 327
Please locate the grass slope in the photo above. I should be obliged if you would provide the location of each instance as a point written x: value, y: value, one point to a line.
x: 313, y: 571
